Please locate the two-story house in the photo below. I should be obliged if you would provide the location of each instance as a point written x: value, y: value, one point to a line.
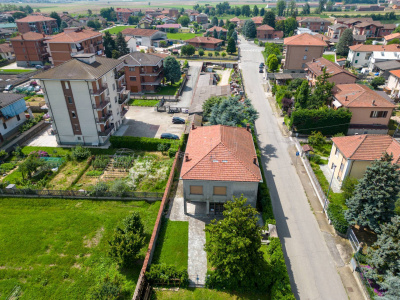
x: 299, y: 50
x: 370, y: 111
x: 145, y: 37
x: 221, y: 32
x: 315, y: 24
x: 123, y: 14
x: 72, y: 41
x: 335, y: 31
x: 30, y: 49
x: 12, y: 108
x: 39, y: 24
x: 84, y: 99
x: 143, y: 71
x: 359, y: 55
x: 266, y: 32
x: 393, y: 84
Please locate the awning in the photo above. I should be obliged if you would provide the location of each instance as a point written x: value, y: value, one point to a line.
x: 337, y: 104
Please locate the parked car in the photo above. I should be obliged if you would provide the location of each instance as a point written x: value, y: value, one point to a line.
x: 177, y: 120
x: 261, y: 70
x: 8, y: 87
x: 262, y: 65
x: 39, y: 67
x: 169, y: 136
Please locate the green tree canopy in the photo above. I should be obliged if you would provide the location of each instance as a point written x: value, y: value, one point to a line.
x: 133, y: 20
x: 109, y: 44
x: 209, y: 104
x: 269, y: 19
x: 273, y: 63
x: 231, y: 48
x: 121, y: 45
x: 188, y: 50
x: 246, y: 10
x: 184, y: 20
x: 345, y: 41
x: 374, y: 199
x: 302, y: 96
x: 280, y: 7
x: 172, y: 69
x: 322, y: 92
x: 290, y: 26
x: 255, y: 11
x: 55, y: 15
x: 306, y: 9
x: 214, y: 21
x: 249, y: 29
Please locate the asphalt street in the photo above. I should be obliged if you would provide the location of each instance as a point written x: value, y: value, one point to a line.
x: 312, y: 270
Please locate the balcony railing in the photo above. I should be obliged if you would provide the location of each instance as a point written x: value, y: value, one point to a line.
x: 154, y: 73
x: 121, y: 89
x: 123, y: 112
x: 104, y: 118
x: 102, y: 104
x: 106, y: 131
x: 123, y: 97
x: 100, y: 90
x: 119, y: 75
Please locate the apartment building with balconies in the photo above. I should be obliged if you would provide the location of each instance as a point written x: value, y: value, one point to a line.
x: 39, y: 24
x: 73, y: 41
x: 30, y: 49
x: 86, y: 98
x: 143, y: 71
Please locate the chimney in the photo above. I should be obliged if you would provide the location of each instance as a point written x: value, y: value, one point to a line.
x: 313, y: 60
x: 193, y: 127
x: 87, y: 58
x: 322, y: 68
x: 373, y: 103
x: 345, y: 99
x: 248, y: 127
x: 186, y: 156
x: 255, y: 159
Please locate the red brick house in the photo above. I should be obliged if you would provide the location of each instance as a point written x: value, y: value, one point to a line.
x: 39, y: 24
x: 266, y: 32
x: 207, y: 43
x: 219, y: 30
x: 29, y: 49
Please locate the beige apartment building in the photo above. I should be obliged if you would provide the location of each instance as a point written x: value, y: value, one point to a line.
x: 85, y: 99
x: 299, y: 50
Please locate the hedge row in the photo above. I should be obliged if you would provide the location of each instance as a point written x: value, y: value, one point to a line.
x: 336, y: 215
x: 162, y: 274
x: 327, y: 121
x: 139, y: 143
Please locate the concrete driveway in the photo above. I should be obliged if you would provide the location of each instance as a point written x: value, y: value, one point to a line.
x: 147, y: 122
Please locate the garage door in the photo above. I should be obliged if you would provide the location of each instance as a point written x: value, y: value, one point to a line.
x: 134, y: 89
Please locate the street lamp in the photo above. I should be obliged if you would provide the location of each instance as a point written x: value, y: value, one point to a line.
x: 330, y: 184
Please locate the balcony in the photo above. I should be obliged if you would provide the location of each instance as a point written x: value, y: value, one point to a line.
x: 119, y: 75
x: 123, y: 112
x: 155, y: 82
x: 155, y: 73
x: 102, y: 104
x: 104, y: 118
x: 123, y: 97
x: 99, y: 91
x: 106, y: 131
x: 121, y: 89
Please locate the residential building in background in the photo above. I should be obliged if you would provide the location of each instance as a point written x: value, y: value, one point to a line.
x: 315, y: 24
x: 257, y: 21
x: 12, y: 113
x: 6, y: 51
x: 72, y: 41
x: 86, y: 98
x: 335, y: 31
x: 30, y: 49
x: 146, y: 37
x: 299, y: 50
x: 123, y: 14
x: 351, y: 155
x: 359, y: 55
x: 220, y: 162
x: 371, y: 112
x: 221, y: 32
x: 338, y: 75
x: 143, y: 71
x: 207, y: 43
x: 202, y: 19
x: 266, y: 32
x: 39, y: 24
x: 390, y: 37
x: 393, y: 84
x: 131, y: 43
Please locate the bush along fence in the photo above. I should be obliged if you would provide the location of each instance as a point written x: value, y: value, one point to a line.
x: 143, y: 287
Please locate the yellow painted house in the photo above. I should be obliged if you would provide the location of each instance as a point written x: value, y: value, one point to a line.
x: 351, y: 155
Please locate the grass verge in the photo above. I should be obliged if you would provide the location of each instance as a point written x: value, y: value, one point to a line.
x: 117, y: 29
x: 143, y: 102
x: 330, y: 57
x: 182, y: 36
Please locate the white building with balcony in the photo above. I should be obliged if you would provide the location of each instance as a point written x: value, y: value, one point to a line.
x: 86, y: 98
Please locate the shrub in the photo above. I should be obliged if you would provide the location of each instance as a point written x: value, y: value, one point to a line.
x: 3, y: 154
x: 317, y: 159
x: 40, y: 153
x: 94, y: 173
x: 80, y: 153
x: 348, y: 186
x: 316, y: 139
x: 377, y: 81
x: 210, y: 54
x: 119, y: 188
x: 139, y: 143
x: 30, y: 123
x: 162, y: 273
x: 99, y: 189
x: 201, y: 52
x: 223, y: 54
x: 107, y: 289
x: 6, y: 167
x: 100, y: 162
x: 336, y: 215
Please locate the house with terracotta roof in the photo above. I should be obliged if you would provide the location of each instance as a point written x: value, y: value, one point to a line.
x: 235, y: 20
x: 145, y: 37
x: 6, y: 51
x: 221, y: 32
x: 393, y: 84
x: 72, y: 41
x: 30, y: 49
x: 202, y: 19
x: 390, y: 37
x: 335, y: 31
x: 39, y: 24
x: 351, y: 155
x: 315, y: 24
x: 338, y: 75
x: 168, y: 27
x: 266, y: 32
x: 371, y: 112
x: 257, y: 20
x: 299, y: 50
x: 220, y: 162
x: 359, y: 55
x: 123, y: 14
x: 207, y: 43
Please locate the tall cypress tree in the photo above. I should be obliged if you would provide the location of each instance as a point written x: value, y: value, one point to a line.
x: 345, y: 41
x: 373, y: 202
x: 109, y: 44
x: 121, y: 45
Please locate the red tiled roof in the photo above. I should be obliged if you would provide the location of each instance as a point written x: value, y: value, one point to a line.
x: 203, y: 39
x: 331, y: 68
x: 217, y: 28
x: 358, y: 95
x: 392, y: 36
x: 395, y: 73
x: 257, y: 20
x: 139, y: 32
x: 220, y: 153
x: 371, y: 48
x: 367, y: 146
x: 304, y: 39
x: 35, y: 19
x: 4, y: 48
x: 235, y: 19
x: 29, y: 36
x: 265, y: 27
x: 73, y: 36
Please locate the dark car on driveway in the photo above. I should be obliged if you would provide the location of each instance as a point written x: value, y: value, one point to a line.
x: 177, y: 120
x: 169, y: 136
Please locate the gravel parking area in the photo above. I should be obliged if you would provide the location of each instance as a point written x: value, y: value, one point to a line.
x: 146, y: 122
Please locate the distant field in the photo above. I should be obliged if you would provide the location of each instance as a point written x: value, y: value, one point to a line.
x: 117, y: 29
x: 182, y: 36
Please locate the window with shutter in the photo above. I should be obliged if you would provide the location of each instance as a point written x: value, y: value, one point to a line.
x: 196, y: 190
x: 220, y: 190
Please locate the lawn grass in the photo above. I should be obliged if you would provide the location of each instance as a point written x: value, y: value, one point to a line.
x: 207, y: 294
x: 15, y: 71
x: 66, y: 175
x: 57, y: 249
x: 169, y: 89
x: 172, y: 244
x: 143, y: 102
x: 117, y: 29
x: 182, y: 36
x: 330, y: 57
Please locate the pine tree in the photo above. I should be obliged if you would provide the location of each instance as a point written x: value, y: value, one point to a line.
x: 322, y: 93
x: 231, y: 48
x: 392, y: 286
x: 109, y: 44
x: 215, y: 34
x: 345, y: 41
x: 250, y: 30
x: 221, y: 23
x: 384, y: 255
x: 375, y: 196
x: 255, y: 11
x: 121, y: 44
x: 262, y: 11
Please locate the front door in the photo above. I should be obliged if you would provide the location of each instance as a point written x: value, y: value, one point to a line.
x: 216, y: 208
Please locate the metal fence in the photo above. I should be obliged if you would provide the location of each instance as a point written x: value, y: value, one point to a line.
x: 70, y: 194
x: 355, y: 244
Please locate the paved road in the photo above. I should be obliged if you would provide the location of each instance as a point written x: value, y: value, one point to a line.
x: 311, y: 268
x: 188, y: 90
